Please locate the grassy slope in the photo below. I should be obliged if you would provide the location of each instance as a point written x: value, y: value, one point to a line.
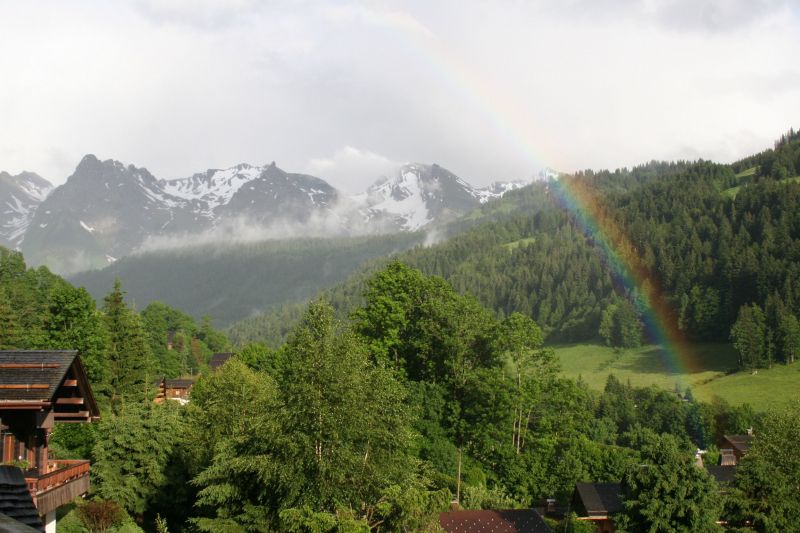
x: 643, y: 367
x: 733, y: 191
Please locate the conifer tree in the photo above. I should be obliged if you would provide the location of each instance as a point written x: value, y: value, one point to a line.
x: 129, y: 357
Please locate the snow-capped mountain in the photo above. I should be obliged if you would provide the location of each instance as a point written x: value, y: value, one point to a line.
x: 20, y: 195
x: 107, y: 210
x: 417, y: 196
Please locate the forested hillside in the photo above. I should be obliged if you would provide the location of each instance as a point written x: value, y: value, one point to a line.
x: 365, y: 424
x: 231, y: 281
x: 711, y: 254
x: 39, y: 310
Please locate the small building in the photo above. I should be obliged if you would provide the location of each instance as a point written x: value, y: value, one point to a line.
x: 178, y: 390
x: 597, y: 502
x: 37, y: 390
x: 491, y: 521
x: 219, y: 359
x: 734, y: 448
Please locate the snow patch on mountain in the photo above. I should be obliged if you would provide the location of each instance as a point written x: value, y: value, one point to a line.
x: 403, y: 199
x: 497, y: 190
x: 21, y: 195
x: 214, y: 188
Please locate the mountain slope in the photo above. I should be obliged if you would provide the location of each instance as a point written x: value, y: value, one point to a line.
x: 707, y: 253
x: 102, y: 212
x: 20, y: 195
x: 232, y: 281
x: 107, y: 210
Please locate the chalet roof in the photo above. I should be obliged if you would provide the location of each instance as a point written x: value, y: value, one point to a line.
x: 740, y: 442
x: 15, y: 499
x: 219, y: 359
x: 35, y: 376
x: 32, y: 375
x: 723, y: 474
x: 506, y: 521
x: 9, y: 525
x: 600, y: 498
x: 180, y: 383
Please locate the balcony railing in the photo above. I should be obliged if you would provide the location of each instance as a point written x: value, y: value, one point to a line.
x: 63, y: 481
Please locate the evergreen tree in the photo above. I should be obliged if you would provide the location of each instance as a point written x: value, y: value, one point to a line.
x: 666, y: 492
x: 766, y: 482
x: 129, y: 357
x: 749, y: 336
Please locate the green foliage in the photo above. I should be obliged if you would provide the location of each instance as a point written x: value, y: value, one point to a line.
x: 98, y: 516
x: 571, y: 524
x: 766, y: 482
x: 620, y: 326
x: 334, y: 434
x: 233, y: 281
x: 749, y: 336
x: 666, y: 491
x: 346, y: 418
x: 305, y: 520
x: 129, y: 356
x: 420, y: 325
x: 132, y: 452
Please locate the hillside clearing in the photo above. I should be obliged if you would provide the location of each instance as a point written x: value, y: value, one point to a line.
x: 764, y: 389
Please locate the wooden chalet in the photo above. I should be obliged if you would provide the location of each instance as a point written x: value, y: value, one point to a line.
x: 734, y: 448
x: 489, y: 521
x: 178, y: 390
x: 219, y: 359
x: 597, y: 502
x: 37, y: 390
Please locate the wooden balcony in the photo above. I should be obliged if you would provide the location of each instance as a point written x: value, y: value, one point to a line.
x: 63, y: 482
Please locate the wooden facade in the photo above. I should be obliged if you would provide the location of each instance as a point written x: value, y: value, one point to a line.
x: 37, y: 390
x: 174, y: 389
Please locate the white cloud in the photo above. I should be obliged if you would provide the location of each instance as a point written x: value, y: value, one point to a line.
x: 349, y: 169
x: 488, y: 89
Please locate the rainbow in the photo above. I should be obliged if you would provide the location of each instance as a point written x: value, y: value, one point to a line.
x: 628, y: 271
x: 573, y: 194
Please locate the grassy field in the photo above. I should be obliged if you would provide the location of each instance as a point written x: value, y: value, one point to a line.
x: 645, y: 366
x: 516, y: 244
x: 733, y: 191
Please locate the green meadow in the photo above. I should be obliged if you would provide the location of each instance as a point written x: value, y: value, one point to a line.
x: 711, y: 376
x: 733, y: 191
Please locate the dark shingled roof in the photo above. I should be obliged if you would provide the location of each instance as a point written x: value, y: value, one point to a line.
x: 180, y: 383
x: 35, y: 377
x: 219, y: 359
x: 740, y: 442
x: 41, y: 371
x: 723, y: 474
x: 510, y: 521
x: 9, y: 525
x: 15, y: 499
x: 600, y: 498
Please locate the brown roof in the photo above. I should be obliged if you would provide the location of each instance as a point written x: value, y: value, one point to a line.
x: 600, y: 498
x: 740, y: 442
x: 219, y: 359
x: 507, y: 521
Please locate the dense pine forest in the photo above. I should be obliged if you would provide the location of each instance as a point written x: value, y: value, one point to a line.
x: 721, y: 241
x: 428, y: 377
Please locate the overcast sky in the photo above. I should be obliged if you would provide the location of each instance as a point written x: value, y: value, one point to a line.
x: 491, y: 90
